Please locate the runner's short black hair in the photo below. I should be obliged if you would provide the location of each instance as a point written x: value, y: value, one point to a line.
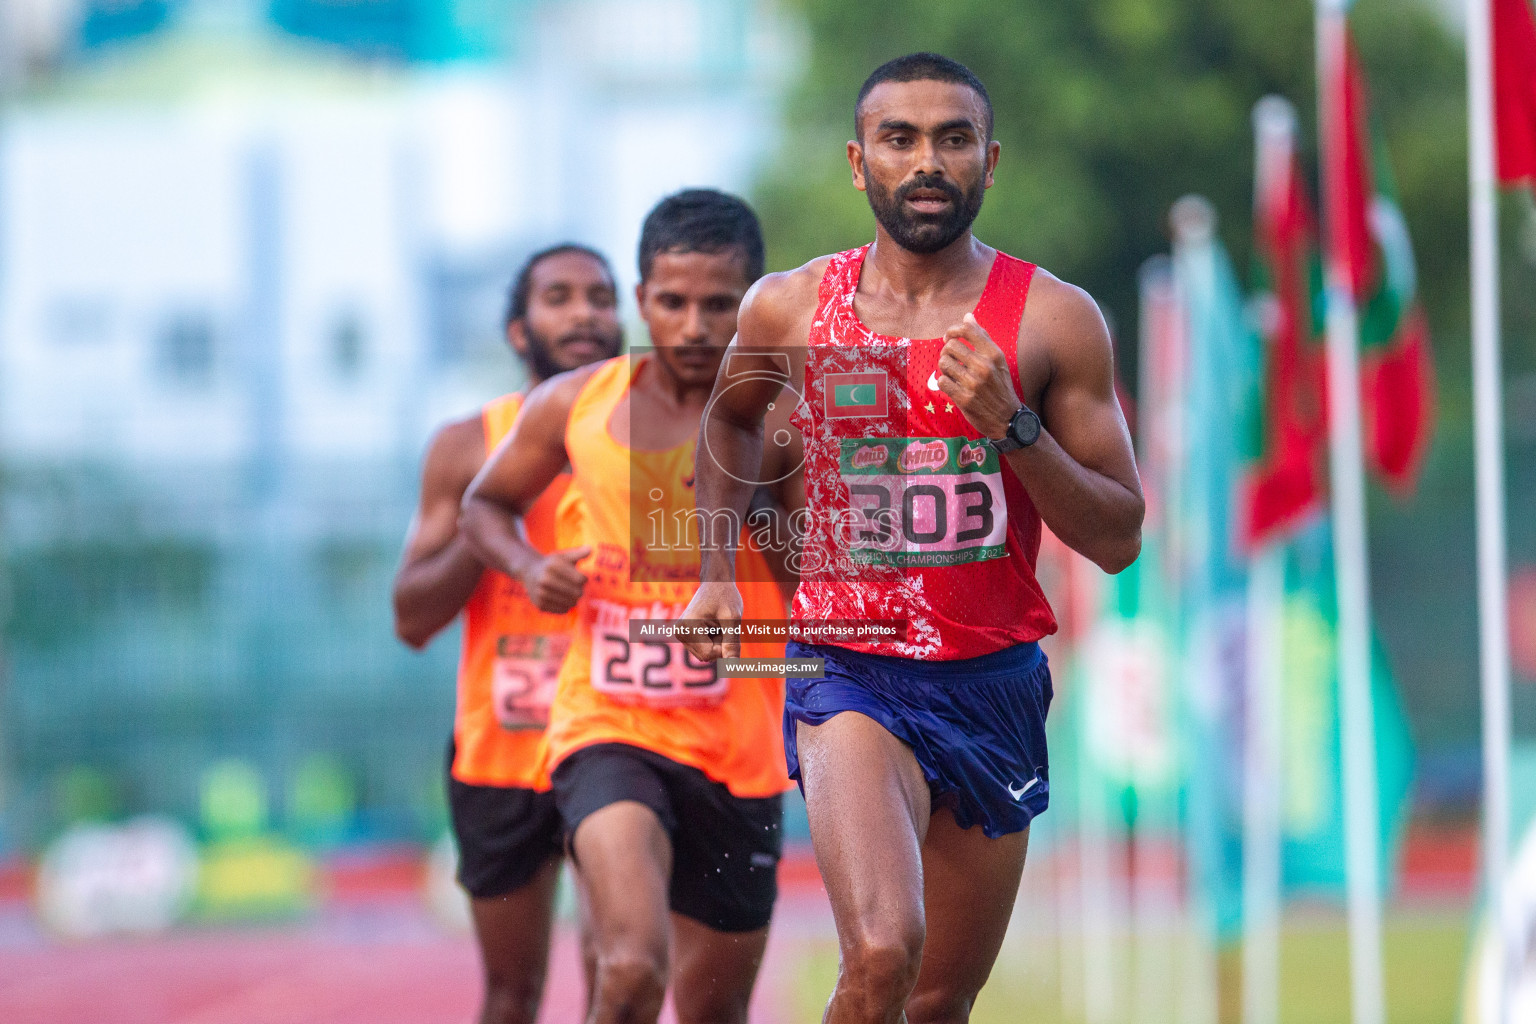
x: 702, y: 220
x: 522, y: 284
x: 923, y: 67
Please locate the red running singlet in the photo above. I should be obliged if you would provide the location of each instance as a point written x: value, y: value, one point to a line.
x: 912, y: 518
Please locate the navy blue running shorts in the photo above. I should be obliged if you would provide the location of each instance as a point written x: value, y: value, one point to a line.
x: 976, y: 726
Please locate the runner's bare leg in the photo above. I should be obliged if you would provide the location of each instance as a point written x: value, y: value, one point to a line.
x: 713, y: 972
x: 514, y: 946
x: 970, y: 885
x: 625, y: 859
x: 868, y: 804
x: 584, y: 934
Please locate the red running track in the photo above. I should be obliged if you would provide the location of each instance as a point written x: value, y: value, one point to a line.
x: 298, y: 976
x: 369, y: 958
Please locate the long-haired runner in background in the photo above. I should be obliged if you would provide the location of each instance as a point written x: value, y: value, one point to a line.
x: 561, y: 314
x: 927, y: 474
x: 669, y: 776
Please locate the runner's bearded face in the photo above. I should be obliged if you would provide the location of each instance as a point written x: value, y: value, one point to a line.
x: 925, y: 155
x: 689, y: 303
x: 572, y: 318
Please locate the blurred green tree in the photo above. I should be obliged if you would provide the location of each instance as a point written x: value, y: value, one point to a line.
x: 1108, y: 112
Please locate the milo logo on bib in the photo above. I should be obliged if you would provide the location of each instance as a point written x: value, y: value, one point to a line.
x: 918, y: 456
x: 923, y: 501
x: 870, y: 455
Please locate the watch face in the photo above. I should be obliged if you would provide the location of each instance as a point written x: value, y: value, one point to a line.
x: 1024, y: 427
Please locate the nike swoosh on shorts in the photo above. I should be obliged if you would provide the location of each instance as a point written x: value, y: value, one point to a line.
x: 933, y: 380
x: 1018, y: 794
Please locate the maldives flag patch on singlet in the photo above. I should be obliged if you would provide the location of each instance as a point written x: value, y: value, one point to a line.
x: 858, y: 394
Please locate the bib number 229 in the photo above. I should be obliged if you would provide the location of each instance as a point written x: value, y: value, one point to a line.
x: 657, y: 672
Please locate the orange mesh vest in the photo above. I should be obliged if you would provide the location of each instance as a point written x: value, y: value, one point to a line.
x: 652, y: 694
x: 510, y: 655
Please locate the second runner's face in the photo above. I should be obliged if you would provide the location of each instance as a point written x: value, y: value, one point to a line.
x: 689, y: 303
x: 923, y: 159
x: 573, y: 315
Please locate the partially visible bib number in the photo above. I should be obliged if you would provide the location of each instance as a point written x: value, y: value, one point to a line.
x: 923, y: 501
x: 659, y: 673
x: 523, y: 684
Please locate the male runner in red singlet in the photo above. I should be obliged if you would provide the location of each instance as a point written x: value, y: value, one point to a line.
x: 561, y: 314
x: 953, y: 397
x: 669, y: 776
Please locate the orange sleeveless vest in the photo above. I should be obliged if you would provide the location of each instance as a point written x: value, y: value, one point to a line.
x: 510, y: 655
x: 652, y: 694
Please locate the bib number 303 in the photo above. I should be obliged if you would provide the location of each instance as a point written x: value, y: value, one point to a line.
x: 923, y: 501
x: 659, y: 673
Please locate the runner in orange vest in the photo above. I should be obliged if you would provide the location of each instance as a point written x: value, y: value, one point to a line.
x: 562, y: 313
x: 668, y: 774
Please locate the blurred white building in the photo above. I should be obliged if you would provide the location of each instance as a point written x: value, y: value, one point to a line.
x: 242, y: 276
x: 221, y: 247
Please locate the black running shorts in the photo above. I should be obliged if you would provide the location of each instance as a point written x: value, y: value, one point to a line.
x: 725, y: 849
x: 505, y: 834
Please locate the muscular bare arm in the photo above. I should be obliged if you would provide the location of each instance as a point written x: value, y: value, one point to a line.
x: 1090, y: 494
x: 439, y: 571
x: 782, y: 494
x: 1081, y: 473
x: 767, y: 345
x: 522, y: 467
x: 770, y: 338
x: 783, y: 467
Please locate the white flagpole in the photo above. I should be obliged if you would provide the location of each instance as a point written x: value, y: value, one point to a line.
x: 1261, y: 789
x: 1274, y: 124
x: 1193, y: 220
x: 1094, y: 836
x: 1492, y: 607
x: 1346, y: 464
x: 1155, y: 895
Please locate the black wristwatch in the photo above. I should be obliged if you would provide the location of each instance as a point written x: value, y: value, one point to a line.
x: 1023, y: 431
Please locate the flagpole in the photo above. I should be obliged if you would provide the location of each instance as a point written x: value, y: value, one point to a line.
x: 1193, y: 220
x: 1261, y: 789
x: 1097, y: 906
x: 1159, y: 916
x: 1346, y: 462
x: 1493, y: 625
x: 1274, y: 123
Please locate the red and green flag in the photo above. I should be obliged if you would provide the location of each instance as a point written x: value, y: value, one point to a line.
x: 1514, y: 90
x: 857, y: 394
x: 1287, y: 478
x: 1367, y: 240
